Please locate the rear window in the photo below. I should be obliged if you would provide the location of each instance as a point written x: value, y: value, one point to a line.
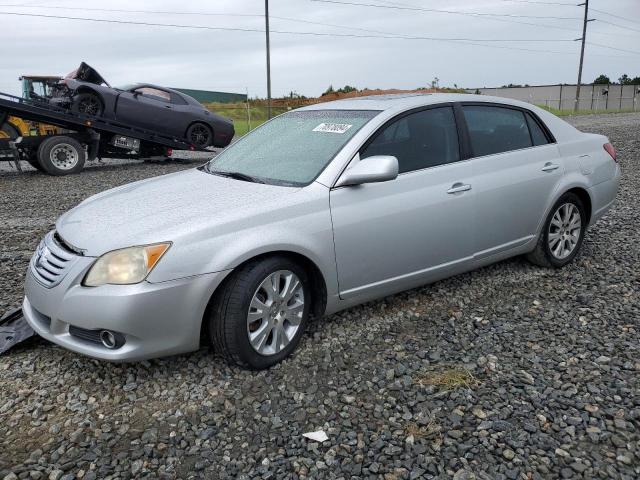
x: 494, y: 129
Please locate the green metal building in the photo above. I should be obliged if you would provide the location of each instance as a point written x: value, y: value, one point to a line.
x: 206, y: 96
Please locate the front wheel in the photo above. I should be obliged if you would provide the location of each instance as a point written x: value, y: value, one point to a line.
x: 200, y: 135
x: 261, y: 312
x: 562, y: 233
x: 88, y: 104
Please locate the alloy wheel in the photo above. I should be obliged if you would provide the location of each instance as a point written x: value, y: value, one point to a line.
x: 199, y: 135
x: 275, y: 312
x: 564, y: 231
x: 89, y: 105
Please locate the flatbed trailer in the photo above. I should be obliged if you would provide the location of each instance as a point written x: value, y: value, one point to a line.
x: 85, y: 138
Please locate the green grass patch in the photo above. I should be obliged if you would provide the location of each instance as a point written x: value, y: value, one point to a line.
x: 245, y: 119
x: 567, y: 113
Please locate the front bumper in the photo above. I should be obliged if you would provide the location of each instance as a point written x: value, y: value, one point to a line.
x: 156, y: 319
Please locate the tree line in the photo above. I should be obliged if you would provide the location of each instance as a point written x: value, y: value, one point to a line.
x: 623, y: 80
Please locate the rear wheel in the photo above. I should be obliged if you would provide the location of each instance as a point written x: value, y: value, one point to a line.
x: 88, y: 104
x: 261, y: 312
x: 61, y: 155
x: 34, y: 162
x: 200, y: 135
x: 562, y: 233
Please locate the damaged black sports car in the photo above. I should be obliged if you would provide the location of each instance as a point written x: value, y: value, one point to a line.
x: 146, y: 106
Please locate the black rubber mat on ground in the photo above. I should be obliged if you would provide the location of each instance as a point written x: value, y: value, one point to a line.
x: 13, y: 329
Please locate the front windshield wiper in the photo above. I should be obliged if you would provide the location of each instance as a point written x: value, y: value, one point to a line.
x: 235, y: 175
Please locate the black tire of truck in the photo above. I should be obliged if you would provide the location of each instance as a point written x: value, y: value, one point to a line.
x: 34, y: 162
x: 11, y: 131
x: 61, y: 155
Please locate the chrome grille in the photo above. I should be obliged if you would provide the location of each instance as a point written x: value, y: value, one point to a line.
x: 51, y: 261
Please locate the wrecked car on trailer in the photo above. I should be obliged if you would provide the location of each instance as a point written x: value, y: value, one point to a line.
x: 148, y: 106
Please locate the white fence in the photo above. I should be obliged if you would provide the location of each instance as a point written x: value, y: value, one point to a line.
x: 562, y: 97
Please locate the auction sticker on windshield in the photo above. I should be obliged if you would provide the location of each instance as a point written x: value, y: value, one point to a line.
x: 333, y: 127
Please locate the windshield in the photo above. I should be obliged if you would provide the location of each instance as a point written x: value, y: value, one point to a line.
x: 291, y: 149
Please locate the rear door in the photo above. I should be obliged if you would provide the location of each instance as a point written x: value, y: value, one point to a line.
x: 516, y: 169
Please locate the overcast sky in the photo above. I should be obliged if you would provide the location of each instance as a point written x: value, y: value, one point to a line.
x: 235, y: 61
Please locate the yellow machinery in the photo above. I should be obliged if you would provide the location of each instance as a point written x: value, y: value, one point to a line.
x: 33, y: 87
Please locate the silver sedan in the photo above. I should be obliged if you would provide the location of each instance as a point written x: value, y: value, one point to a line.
x: 320, y: 209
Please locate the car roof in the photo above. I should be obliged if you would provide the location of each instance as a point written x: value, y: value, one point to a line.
x: 400, y: 101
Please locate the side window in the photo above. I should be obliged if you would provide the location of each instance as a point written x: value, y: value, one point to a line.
x: 537, y: 134
x: 418, y: 140
x: 154, y: 93
x: 494, y: 129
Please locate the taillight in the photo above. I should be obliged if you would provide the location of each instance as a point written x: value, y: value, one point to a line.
x: 611, y: 151
x: 169, y: 152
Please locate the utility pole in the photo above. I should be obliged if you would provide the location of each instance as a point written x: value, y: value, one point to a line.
x: 584, y: 39
x: 266, y: 20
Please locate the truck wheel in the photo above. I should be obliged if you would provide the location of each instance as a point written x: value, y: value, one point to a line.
x: 200, y: 135
x: 61, y: 155
x: 88, y: 104
x: 33, y: 161
x: 9, y: 131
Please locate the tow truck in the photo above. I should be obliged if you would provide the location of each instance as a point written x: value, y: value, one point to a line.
x: 58, y: 141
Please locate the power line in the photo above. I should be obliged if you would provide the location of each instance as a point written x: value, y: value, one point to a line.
x: 399, y: 6
x: 163, y: 12
x: 603, y: 12
x: 286, y: 32
x: 615, y: 16
x: 618, y: 25
x: 541, y: 3
x: 613, y: 48
x: 494, y: 18
x: 458, y: 41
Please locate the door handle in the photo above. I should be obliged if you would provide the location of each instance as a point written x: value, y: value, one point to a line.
x: 167, y: 106
x: 550, y: 167
x: 458, y: 187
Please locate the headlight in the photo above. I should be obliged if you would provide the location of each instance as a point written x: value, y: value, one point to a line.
x: 125, y: 266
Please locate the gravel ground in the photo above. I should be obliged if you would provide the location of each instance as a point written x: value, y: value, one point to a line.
x: 509, y: 372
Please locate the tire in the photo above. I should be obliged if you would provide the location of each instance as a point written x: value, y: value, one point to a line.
x: 229, y: 324
x: 562, y: 250
x: 87, y: 104
x: 61, y: 155
x: 10, y: 131
x: 200, y: 135
x: 33, y: 161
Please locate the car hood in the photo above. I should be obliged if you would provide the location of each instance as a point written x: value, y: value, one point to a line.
x: 165, y: 208
x: 86, y: 73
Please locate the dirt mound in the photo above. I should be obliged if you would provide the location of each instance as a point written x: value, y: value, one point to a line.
x: 287, y: 102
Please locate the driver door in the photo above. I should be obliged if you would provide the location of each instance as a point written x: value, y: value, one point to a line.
x: 146, y: 107
x: 395, y: 235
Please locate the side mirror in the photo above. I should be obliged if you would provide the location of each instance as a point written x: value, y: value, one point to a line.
x: 379, y: 168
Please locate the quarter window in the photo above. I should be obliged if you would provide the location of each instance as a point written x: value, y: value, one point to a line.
x: 496, y: 129
x: 419, y: 140
x: 537, y: 134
